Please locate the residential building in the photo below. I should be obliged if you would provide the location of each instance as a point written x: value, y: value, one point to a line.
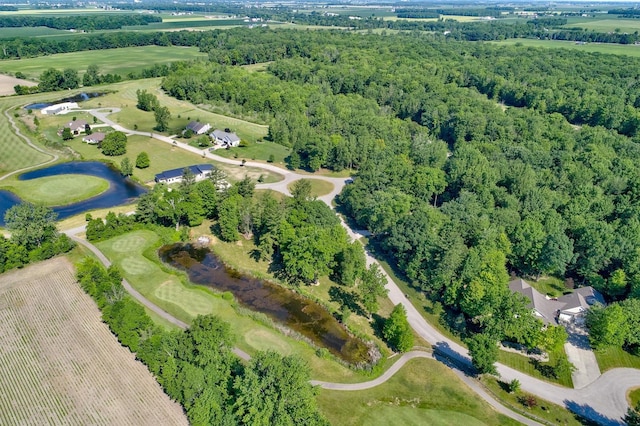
x: 226, y: 139
x: 200, y: 172
x: 198, y: 128
x: 94, y: 138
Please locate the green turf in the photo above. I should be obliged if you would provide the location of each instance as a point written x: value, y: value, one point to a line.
x: 545, y: 410
x: 168, y: 291
x: 551, y: 286
x: 115, y: 61
x: 31, y: 32
x: 609, y: 358
x: 258, y: 151
x: 634, y: 397
x: 523, y: 363
x: 614, y: 49
x: 423, y: 392
x: 58, y: 190
x: 15, y: 154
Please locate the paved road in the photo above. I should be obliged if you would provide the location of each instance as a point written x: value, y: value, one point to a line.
x: 603, y: 401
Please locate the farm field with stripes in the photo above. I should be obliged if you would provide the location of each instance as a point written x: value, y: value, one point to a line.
x: 59, y: 364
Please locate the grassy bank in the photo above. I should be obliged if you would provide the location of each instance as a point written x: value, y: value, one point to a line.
x: 609, y: 358
x: 423, y: 392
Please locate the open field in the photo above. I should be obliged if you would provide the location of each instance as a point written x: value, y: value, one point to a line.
x: 60, y: 364
x: 134, y: 252
x: 115, y: 61
x: 32, y: 32
x: 604, y: 25
x: 423, y: 392
x: 58, y: 190
x: 610, y: 48
x: 7, y: 83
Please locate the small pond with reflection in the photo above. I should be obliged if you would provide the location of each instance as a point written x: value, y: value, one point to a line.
x: 279, y: 303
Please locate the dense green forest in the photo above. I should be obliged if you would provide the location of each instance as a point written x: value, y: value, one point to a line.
x: 456, y: 189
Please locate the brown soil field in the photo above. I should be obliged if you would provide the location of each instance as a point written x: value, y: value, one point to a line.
x: 60, y: 364
x: 7, y: 82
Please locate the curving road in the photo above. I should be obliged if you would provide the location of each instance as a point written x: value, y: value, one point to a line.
x: 603, y: 401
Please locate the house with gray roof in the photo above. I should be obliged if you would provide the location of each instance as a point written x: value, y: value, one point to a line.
x: 77, y: 126
x: 198, y: 128
x: 94, y: 138
x: 566, y: 309
x: 226, y: 139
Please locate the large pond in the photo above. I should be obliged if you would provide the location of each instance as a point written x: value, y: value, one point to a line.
x: 121, y: 190
x: 76, y: 98
x: 281, y: 304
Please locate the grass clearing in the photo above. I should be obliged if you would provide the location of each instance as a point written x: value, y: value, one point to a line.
x: 609, y: 358
x: 634, y: 397
x: 551, y: 413
x: 608, y: 48
x: 551, y: 286
x: 318, y: 187
x: 523, y: 363
x: 60, y: 364
x: 135, y: 253
x: 58, y: 190
x: 423, y: 392
x: 114, y: 61
x: 607, y: 25
x: 261, y: 151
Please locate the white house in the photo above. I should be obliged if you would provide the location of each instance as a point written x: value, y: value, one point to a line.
x: 226, y: 139
x: 59, y: 108
x: 200, y: 172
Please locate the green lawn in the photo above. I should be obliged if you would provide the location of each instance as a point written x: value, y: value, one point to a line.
x: 614, y: 49
x: 606, y: 25
x: 634, y: 397
x: 116, y: 61
x: 609, y: 358
x: 135, y: 253
x: 318, y: 187
x: 423, y: 392
x: 58, y: 190
x: 31, y: 32
x: 15, y: 154
x: 523, y: 363
x: 258, y: 151
x: 551, y: 286
x: 551, y: 413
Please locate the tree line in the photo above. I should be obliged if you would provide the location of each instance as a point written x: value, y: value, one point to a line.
x: 84, y: 22
x: 197, y: 368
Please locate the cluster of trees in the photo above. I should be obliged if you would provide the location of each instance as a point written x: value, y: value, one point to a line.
x: 33, y: 236
x: 149, y: 102
x: 92, y: 77
x: 83, y: 22
x: 456, y: 190
x: 197, y: 368
x: 617, y: 325
x: 114, y: 144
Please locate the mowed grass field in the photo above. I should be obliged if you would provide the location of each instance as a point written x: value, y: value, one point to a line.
x: 58, y: 190
x: 613, y: 49
x: 318, y: 187
x: 604, y: 24
x: 423, y: 392
x: 60, y: 364
x: 133, y: 252
x: 115, y: 61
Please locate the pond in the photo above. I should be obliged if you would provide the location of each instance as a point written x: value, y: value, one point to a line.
x: 76, y: 98
x: 121, y: 190
x: 281, y: 304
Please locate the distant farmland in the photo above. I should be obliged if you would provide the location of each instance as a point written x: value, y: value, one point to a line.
x: 60, y: 364
x: 115, y: 61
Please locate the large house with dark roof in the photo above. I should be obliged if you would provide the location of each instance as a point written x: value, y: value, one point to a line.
x: 200, y: 171
x: 566, y: 309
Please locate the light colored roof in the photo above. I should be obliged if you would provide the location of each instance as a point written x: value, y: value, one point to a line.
x: 95, y: 137
x: 196, y: 126
x: 583, y: 297
x: 225, y: 136
x: 77, y: 123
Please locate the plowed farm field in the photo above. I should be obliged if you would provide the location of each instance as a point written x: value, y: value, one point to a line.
x: 60, y: 365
